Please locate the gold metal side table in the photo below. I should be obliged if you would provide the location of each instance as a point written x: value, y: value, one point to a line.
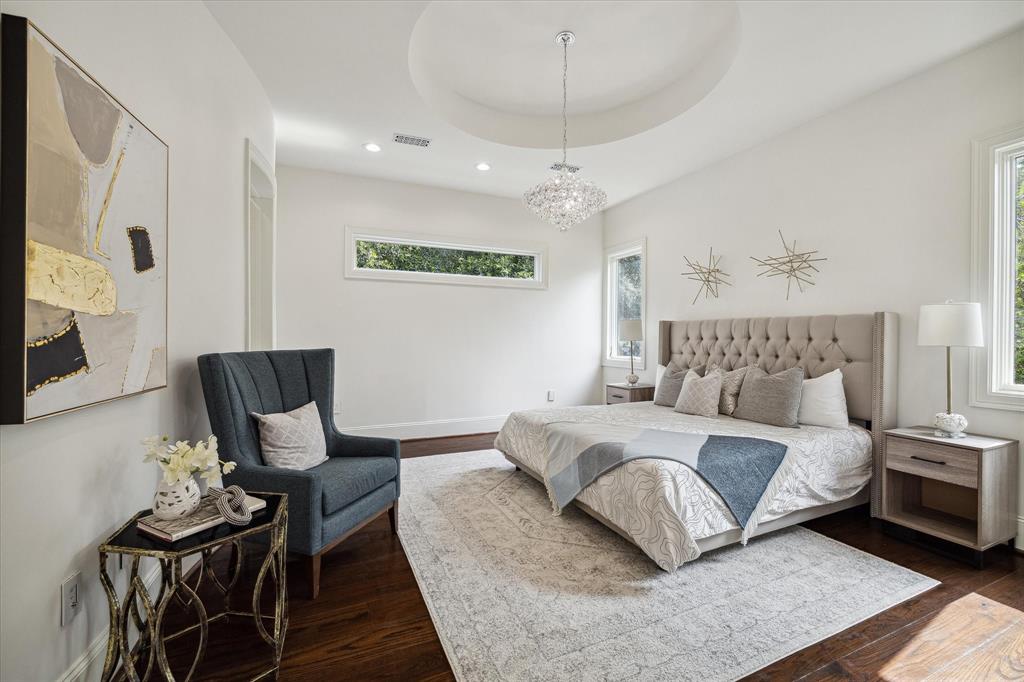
x: 148, y: 620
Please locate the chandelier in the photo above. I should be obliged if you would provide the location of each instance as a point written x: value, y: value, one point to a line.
x: 565, y: 199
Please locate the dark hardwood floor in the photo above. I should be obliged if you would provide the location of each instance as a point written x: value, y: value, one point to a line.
x: 370, y: 621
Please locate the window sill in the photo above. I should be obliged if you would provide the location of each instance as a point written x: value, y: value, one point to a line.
x: 999, y: 400
x: 638, y: 363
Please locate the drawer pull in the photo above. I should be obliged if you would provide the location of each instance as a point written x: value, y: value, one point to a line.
x: 616, y: 395
x: 925, y: 459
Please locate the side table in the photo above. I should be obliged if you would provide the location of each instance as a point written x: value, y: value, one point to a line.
x: 148, y: 620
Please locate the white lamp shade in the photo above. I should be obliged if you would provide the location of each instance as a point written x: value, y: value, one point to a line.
x: 950, y: 324
x: 631, y: 330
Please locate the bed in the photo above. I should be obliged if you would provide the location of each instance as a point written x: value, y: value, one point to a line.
x: 667, y: 509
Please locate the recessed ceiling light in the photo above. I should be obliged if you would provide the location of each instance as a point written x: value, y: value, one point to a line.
x: 483, y: 166
x: 371, y: 147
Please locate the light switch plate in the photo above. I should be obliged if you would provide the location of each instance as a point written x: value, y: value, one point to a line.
x: 70, y: 598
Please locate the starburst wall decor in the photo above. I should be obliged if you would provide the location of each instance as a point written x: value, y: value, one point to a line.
x: 710, y: 276
x: 795, y: 266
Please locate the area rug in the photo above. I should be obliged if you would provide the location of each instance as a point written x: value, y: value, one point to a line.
x: 518, y: 594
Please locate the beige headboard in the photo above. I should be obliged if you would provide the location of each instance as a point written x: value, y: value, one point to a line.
x: 862, y: 346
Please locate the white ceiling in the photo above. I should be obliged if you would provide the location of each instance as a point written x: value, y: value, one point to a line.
x: 338, y: 75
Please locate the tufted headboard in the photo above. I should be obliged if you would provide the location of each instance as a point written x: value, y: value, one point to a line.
x: 862, y: 346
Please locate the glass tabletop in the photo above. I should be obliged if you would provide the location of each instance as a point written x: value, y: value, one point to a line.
x: 130, y: 540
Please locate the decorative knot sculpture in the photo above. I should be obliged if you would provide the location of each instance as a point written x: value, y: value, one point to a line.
x: 231, y: 505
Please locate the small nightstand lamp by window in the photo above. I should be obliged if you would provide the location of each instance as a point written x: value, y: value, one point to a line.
x: 950, y: 324
x: 631, y: 331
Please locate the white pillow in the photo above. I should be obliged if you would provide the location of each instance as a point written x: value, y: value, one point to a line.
x: 823, y: 402
x: 293, y: 440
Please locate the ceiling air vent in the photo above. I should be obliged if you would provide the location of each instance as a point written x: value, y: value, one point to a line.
x: 566, y: 166
x: 412, y: 140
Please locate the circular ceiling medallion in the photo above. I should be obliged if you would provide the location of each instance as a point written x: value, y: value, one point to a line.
x: 491, y: 69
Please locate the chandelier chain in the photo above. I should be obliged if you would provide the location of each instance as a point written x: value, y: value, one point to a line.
x: 565, y: 90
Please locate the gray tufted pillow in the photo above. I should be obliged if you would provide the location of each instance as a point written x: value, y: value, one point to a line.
x: 771, y: 398
x: 293, y: 440
x: 671, y: 383
x: 699, y: 395
x: 731, y: 384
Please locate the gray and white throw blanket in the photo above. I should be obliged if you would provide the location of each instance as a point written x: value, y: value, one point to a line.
x: 738, y: 468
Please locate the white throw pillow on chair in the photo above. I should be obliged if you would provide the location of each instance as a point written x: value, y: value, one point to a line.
x: 293, y: 440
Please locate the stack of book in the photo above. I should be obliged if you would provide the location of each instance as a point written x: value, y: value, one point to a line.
x: 205, y: 516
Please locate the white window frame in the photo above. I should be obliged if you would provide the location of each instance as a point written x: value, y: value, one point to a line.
x: 537, y: 250
x: 993, y: 266
x: 611, y: 257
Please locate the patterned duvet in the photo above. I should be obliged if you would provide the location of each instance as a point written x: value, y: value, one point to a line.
x: 664, y: 506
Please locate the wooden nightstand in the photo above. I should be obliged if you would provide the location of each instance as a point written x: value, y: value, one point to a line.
x: 626, y: 393
x: 963, y: 490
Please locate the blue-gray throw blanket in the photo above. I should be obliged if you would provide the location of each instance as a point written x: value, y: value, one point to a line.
x: 738, y: 468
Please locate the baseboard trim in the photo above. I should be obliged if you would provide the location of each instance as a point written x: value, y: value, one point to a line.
x: 98, y: 648
x: 436, y: 428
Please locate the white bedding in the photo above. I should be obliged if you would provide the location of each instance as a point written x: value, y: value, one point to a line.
x: 664, y: 506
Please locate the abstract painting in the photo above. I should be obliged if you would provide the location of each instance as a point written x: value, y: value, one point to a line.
x: 84, y: 237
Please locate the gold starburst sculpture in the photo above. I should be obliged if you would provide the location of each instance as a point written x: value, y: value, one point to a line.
x: 795, y: 266
x: 710, y: 276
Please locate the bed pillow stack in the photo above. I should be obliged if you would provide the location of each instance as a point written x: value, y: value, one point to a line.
x: 700, y: 395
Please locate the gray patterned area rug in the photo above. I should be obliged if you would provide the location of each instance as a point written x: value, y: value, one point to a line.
x: 519, y: 594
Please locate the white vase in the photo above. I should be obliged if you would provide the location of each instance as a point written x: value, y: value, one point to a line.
x: 176, y: 500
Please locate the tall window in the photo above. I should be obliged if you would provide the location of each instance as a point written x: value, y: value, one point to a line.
x: 421, y: 258
x: 625, y: 294
x: 997, y: 371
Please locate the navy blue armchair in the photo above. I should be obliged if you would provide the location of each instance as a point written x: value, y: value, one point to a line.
x: 331, y: 501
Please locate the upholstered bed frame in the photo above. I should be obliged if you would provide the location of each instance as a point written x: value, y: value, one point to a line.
x: 863, y: 347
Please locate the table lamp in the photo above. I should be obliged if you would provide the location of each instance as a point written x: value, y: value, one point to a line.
x: 631, y: 331
x: 950, y: 324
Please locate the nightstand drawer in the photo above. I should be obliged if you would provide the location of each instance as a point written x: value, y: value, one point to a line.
x: 617, y: 395
x: 940, y: 462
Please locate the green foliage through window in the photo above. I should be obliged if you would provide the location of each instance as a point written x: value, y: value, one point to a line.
x: 380, y: 255
x: 1018, y: 309
x: 629, y: 295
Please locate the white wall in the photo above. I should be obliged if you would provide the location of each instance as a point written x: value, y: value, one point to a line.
x: 882, y: 187
x: 412, y: 352
x: 68, y: 481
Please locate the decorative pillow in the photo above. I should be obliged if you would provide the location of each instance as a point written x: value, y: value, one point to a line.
x: 731, y: 384
x: 293, y: 440
x: 671, y: 382
x: 823, y: 401
x: 771, y: 398
x: 699, y: 395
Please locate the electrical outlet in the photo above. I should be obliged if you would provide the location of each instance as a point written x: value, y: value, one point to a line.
x: 70, y: 598
x: 551, y: 395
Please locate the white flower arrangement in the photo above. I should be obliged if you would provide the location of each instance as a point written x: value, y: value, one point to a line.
x: 179, y: 461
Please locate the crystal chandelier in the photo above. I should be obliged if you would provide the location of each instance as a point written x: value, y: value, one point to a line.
x: 564, y: 199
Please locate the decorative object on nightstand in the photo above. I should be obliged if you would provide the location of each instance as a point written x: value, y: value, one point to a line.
x: 628, y: 393
x: 950, y: 324
x: 963, y: 490
x: 631, y: 331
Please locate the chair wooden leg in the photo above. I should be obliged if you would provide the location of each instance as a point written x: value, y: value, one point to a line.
x: 393, y: 516
x: 312, y: 576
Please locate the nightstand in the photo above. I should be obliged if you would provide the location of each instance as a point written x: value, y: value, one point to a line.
x: 963, y: 490
x: 628, y: 393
